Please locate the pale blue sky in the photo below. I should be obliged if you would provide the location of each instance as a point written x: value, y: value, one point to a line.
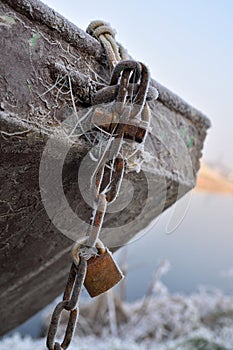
x: 188, y: 46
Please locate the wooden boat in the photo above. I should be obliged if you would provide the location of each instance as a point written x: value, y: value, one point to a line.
x: 34, y: 254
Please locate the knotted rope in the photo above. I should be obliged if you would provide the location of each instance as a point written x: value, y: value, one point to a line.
x: 103, y: 32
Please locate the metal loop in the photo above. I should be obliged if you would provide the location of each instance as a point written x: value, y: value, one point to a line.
x: 77, y: 285
x: 116, y: 181
x: 83, y: 241
x: 98, y: 214
x: 123, y: 87
x: 54, y: 324
x: 70, y: 329
x: 108, y: 93
x: 121, y: 66
x: 122, y: 77
x: 70, y: 282
x: 144, y: 85
x: 74, y: 285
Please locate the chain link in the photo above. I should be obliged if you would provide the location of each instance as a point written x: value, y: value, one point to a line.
x: 129, y: 87
x: 70, y: 299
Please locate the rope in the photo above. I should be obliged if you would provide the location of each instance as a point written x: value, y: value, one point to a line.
x: 103, y: 32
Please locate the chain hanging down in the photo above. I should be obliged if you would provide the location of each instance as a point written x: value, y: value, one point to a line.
x: 129, y: 118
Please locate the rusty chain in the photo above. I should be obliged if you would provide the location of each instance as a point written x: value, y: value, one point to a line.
x: 70, y: 299
x: 129, y: 87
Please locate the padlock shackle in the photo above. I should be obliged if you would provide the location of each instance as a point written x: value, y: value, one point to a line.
x: 82, y: 241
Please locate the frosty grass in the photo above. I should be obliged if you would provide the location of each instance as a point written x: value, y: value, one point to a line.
x: 159, y: 321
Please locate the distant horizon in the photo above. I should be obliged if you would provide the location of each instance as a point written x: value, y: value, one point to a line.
x: 214, y: 180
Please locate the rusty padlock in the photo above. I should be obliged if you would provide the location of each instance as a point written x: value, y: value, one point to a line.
x: 102, y: 271
x: 135, y: 130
